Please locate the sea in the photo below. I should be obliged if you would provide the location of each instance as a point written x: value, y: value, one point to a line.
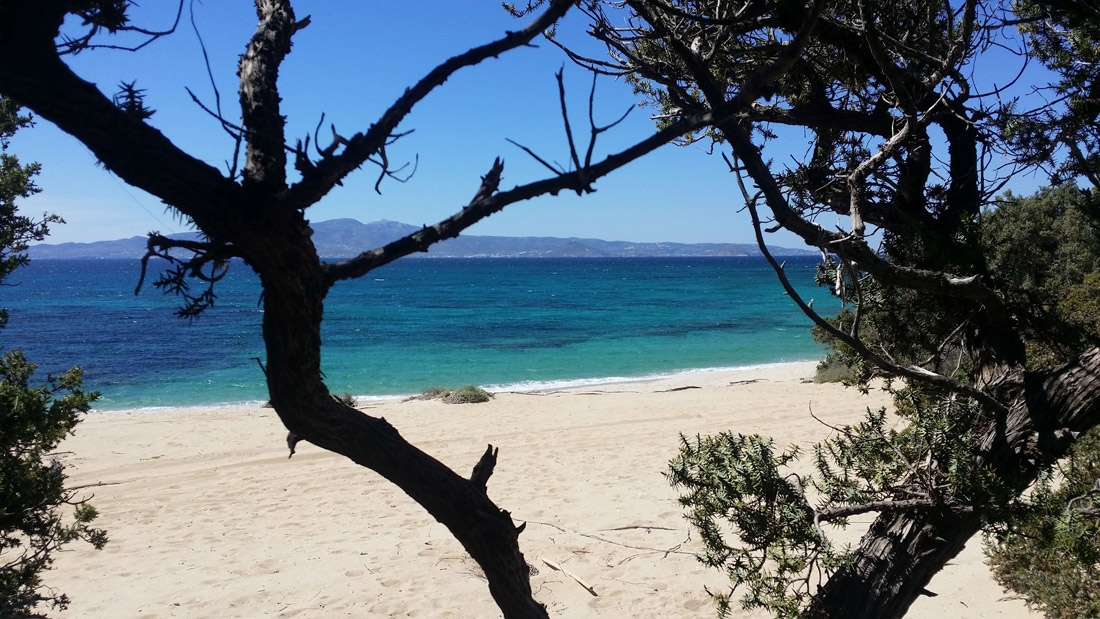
x: 506, y: 324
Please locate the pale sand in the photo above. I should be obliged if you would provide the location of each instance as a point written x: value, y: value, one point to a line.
x: 208, y: 517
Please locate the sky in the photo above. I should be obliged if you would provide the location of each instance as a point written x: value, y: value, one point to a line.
x: 349, y: 64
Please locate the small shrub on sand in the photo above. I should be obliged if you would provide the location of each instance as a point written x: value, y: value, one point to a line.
x: 347, y: 399
x: 833, y: 370
x: 470, y: 394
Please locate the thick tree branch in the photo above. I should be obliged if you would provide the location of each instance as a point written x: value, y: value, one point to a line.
x: 857, y: 180
x: 265, y: 158
x: 824, y: 116
x: 1048, y: 408
x: 32, y: 73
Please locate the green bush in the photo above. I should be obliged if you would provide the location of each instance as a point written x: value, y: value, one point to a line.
x: 833, y: 369
x: 1051, y: 553
x: 34, y: 419
x: 470, y: 394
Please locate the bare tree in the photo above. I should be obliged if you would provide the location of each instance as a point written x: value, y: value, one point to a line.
x: 901, y: 159
x: 260, y: 216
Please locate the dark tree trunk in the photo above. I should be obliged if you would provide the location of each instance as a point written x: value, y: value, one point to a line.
x: 294, y: 288
x: 901, y: 552
x: 895, y: 561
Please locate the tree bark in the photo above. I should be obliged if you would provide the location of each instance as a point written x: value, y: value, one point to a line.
x: 901, y: 552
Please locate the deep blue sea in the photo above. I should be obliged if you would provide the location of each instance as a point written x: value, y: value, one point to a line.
x: 417, y: 323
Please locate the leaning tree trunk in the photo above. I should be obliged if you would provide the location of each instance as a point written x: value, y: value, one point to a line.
x: 294, y: 288
x: 901, y: 552
x: 896, y: 559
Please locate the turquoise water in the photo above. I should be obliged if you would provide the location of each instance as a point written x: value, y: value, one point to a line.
x: 500, y: 323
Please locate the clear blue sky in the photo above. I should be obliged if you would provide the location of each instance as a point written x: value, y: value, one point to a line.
x: 352, y: 61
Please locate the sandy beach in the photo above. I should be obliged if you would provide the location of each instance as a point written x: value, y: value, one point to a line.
x: 208, y: 518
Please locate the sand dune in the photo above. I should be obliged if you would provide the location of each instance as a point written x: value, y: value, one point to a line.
x: 208, y: 517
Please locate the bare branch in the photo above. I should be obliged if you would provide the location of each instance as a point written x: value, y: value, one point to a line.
x: 487, y: 202
x: 858, y: 178
x: 844, y: 511
x: 913, y: 372
x: 235, y: 132
x: 593, y: 127
x: 845, y: 246
x: 331, y: 171
x: 565, y: 119
x: 554, y: 169
x: 174, y: 280
x: 32, y: 73
x: 484, y: 468
x: 84, y: 42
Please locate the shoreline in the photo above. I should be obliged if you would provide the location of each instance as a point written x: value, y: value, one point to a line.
x: 208, y: 517
x: 523, y: 387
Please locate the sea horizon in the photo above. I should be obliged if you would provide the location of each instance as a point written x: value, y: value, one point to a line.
x: 509, y: 324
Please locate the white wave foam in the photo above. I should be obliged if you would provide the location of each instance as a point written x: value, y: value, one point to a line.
x: 520, y: 387
x: 562, y: 385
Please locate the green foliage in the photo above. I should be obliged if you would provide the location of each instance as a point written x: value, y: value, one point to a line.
x: 1042, y: 244
x: 929, y: 459
x: 1049, y: 550
x: 732, y: 483
x: 832, y: 369
x: 734, y: 480
x: 1043, y: 250
x: 1050, y: 554
x: 1064, y: 35
x: 33, y: 421
x: 34, y: 418
x: 16, y: 182
x: 1080, y: 307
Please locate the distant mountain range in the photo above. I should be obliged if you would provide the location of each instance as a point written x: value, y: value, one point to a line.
x: 344, y: 238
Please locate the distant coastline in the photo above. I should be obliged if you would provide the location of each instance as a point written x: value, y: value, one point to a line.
x: 344, y: 238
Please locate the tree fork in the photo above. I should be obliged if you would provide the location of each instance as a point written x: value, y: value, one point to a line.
x: 294, y: 286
